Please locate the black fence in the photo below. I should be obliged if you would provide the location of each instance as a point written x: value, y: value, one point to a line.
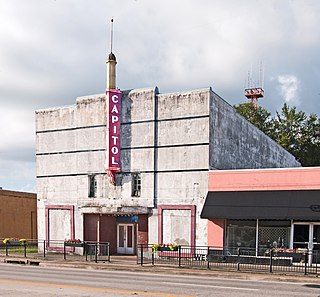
x: 56, y: 249
x: 240, y: 259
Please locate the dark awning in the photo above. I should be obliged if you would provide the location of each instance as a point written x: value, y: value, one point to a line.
x: 272, y: 205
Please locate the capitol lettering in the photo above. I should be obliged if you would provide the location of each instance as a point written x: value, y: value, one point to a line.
x: 114, y: 130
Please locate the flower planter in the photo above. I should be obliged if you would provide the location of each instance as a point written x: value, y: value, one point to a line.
x: 283, y: 254
x: 14, y: 243
x: 74, y: 244
x: 167, y: 249
x: 296, y: 257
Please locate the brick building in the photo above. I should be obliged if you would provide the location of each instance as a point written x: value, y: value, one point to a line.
x: 18, y: 212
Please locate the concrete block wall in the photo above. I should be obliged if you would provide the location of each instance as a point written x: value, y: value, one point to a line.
x: 237, y: 144
x: 72, y: 144
x: 69, y: 147
x: 137, y: 146
x: 171, y: 139
x: 183, y: 131
x: 183, y: 159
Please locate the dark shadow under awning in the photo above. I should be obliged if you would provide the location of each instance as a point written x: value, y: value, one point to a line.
x: 271, y: 205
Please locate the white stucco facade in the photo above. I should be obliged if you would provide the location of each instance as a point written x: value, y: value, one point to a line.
x: 170, y: 140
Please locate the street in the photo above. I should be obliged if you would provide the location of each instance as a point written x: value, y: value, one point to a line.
x: 19, y: 280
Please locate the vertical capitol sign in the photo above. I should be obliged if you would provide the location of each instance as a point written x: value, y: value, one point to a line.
x: 114, y: 102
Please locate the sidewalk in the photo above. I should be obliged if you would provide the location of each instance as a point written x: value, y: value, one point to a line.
x: 129, y: 263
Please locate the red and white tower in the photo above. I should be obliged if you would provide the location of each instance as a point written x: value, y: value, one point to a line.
x: 253, y: 92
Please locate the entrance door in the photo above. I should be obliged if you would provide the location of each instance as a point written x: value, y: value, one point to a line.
x: 301, y: 235
x: 125, y: 242
x: 307, y: 236
x: 316, y: 244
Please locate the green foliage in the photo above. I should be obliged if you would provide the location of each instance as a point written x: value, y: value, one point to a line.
x: 21, y: 251
x: 257, y: 115
x: 296, y: 131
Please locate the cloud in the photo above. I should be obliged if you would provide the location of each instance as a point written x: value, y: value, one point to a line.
x: 289, y: 88
x: 17, y: 175
x: 53, y: 51
x: 18, y: 134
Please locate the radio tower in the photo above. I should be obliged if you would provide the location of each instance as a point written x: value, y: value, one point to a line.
x: 252, y: 92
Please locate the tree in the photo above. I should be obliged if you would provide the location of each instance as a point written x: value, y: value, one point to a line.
x: 299, y: 134
x: 310, y: 148
x: 294, y: 130
x: 257, y: 115
x: 289, y: 129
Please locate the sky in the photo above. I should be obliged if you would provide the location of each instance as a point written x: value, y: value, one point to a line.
x: 52, y: 51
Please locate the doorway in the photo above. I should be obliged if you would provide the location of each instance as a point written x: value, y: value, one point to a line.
x: 125, y: 239
x: 307, y: 236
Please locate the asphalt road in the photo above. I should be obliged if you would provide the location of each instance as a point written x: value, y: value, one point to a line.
x: 19, y: 280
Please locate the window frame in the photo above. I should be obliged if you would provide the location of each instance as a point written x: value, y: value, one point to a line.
x: 135, y: 184
x: 92, y: 186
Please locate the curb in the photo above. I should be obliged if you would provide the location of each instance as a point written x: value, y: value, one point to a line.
x: 131, y: 266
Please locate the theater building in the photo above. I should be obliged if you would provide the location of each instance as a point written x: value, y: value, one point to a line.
x: 132, y: 166
x: 257, y: 209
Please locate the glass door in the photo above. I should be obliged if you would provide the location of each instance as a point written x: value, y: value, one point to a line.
x: 125, y: 240
x: 316, y: 244
x: 301, y: 234
x: 307, y: 236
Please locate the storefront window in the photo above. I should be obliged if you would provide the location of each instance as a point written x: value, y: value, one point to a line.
x: 241, y: 234
x: 273, y: 234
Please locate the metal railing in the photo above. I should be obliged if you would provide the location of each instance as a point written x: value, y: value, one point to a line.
x: 56, y: 249
x: 240, y: 259
x: 97, y: 251
x: 237, y: 259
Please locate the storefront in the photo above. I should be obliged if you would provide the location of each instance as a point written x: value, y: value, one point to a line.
x: 263, y: 209
x: 122, y: 231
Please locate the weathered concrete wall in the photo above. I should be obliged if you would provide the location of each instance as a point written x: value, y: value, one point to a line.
x: 175, y: 226
x: 171, y: 139
x: 58, y: 231
x: 183, y: 131
x: 138, y: 105
x: 236, y: 144
x: 71, y: 140
x: 72, y: 163
x: 186, y: 104
x: 137, y: 135
x: 18, y: 212
x: 88, y: 111
x: 153, y: 227
x: 72, y: 144
x: 183, y: 158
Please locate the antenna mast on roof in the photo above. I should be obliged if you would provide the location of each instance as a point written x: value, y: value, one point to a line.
x: 111, y: 37
x: 253, y: 92
x: 111, y: 64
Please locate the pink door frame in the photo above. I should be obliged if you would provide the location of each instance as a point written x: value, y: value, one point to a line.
x: 60, y: 207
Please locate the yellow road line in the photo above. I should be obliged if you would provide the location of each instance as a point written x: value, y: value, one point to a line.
x: 83, y: 288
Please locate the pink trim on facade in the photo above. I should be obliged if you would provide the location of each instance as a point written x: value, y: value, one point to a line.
x: 265, y: 179
x: 61, y: 207
x: 163, y: 207
x: 216, y: 233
